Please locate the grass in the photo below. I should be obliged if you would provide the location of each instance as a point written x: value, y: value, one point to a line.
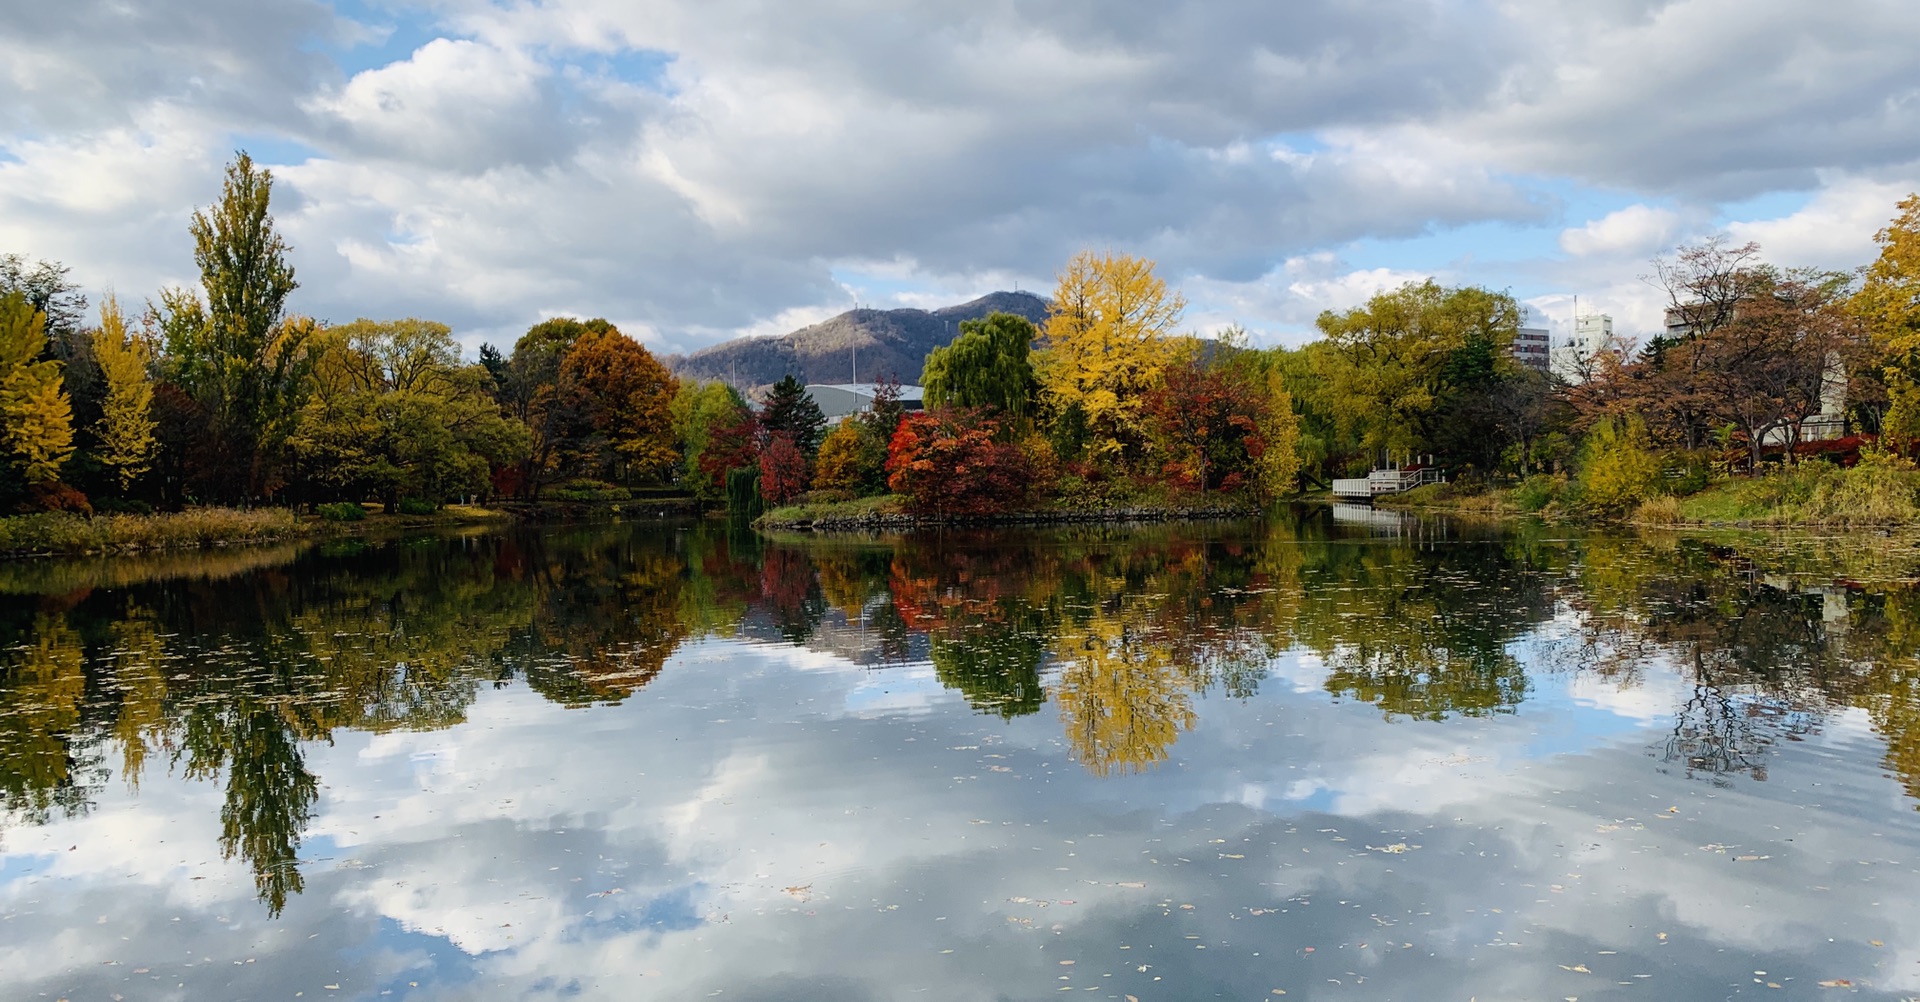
x: 884, y: 504
x: 1881, y: 491
x: 66, y: 533
x: 1452, y: 497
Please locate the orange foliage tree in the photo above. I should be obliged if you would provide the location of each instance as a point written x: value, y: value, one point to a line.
x: 628, y: 396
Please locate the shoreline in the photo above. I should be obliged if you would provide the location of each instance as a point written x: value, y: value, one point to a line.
x: 889, y: 521
x: 65, y: 535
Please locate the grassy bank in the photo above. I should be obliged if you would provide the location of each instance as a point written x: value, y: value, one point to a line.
x: 58, y: 533
x: 1464, y: 500
x: 890, y: 512
x: 1881, y: 491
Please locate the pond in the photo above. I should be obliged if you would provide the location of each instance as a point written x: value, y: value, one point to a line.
x: 1338, y: 754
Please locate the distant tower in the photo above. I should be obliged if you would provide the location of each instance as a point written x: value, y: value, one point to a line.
x: 1592, y: 336
x: 1531, y: 341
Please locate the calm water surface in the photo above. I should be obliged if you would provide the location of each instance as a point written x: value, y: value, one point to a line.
x: 1332, y: 756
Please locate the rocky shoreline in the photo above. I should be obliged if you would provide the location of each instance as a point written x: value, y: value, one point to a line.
x: 895, y: 521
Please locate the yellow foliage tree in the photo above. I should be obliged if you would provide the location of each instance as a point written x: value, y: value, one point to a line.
x: 36, y: 421
x: 1888, y: 303
x: 126, y: 420
x: 1106, y: 343
x: 1278, y: 466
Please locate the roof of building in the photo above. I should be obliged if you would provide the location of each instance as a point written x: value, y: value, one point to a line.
x: 907, y: 392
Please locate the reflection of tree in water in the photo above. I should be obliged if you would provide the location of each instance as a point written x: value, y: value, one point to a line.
x: 42, y: 684
x: 1423, y: 633
x: 270, y: 794
x: 791, y: 590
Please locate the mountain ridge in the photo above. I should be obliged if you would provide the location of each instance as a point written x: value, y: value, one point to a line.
x: 889, y: 343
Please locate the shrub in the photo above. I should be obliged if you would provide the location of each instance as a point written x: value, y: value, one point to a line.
x: 342, y: 511
x: 417, y: 506
x: 1538, y: 491
x: 1661, y: 510
x: 1617, y: 471
x: 585, y: 490
x: 56, y: 496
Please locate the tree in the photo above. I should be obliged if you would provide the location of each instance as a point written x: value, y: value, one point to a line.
x: 986, y: 366
x: 783, y: 469
x: 792, y: 410
x: 1105, y: 345
x: 239, y: 352
x: 1394, y: 360
x: 627, y: 396
x: 1617, y: 469
x: 699, y: 410
x: 47, y: 288
x: 947, y: 462
x: 125, y: 429
x: 853, y: 458
x: 1888, y: 305
x: 391, y: 412
x: 37, y: 429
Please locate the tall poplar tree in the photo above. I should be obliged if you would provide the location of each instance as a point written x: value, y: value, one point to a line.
x: 238, y: 352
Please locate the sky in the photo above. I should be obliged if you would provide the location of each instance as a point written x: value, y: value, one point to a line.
x: 696, y: 171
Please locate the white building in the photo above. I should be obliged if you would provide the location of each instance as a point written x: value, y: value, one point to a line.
x: 1592, y: 335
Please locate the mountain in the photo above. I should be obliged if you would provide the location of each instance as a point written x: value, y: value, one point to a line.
x: 889, y: 343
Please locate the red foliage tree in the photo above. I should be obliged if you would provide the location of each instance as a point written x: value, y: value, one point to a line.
x: 783, y: 470
x: 730, y: 447
x: 1204, y: 423
x: 946, y: 462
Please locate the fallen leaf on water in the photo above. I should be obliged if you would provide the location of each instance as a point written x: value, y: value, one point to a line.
x: 1875, y: 942
x: 1836, y: 983
x: 1577, y: 969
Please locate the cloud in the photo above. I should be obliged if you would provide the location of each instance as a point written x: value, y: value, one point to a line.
x: 1635, y: 230
x: 657, y: 164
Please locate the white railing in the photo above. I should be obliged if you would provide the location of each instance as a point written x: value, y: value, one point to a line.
x: 1359, y: 487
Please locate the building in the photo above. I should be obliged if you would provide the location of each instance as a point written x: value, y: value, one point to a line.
x: 837, y: 400
x: 1532, y: 341
x: 1592, y: 336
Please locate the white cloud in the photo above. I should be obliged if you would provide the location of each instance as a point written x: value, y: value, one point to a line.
x: 1635, y: 230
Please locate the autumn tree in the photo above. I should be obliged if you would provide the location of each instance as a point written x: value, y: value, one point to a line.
x: 700, y: 409
x: 238, y: 351
x: 1888, y: 305
x: 986, y: 366
x: 783, y: 469
x: 853, y: 458
x: 792, y: 410
x: 37, y: 429
x: 1105, y: 345
x: 947, y: 462
x: 125, y: 429
x: 626, y: 397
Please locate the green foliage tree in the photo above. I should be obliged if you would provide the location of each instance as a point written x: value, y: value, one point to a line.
x: 238, y: 352
x: 36, y: 422
x: 125, y: 429
x: 392, y: 412
x: 1393, y: 361
x: 699, y: 409
x: 986, y: 366
x: 792, y: 410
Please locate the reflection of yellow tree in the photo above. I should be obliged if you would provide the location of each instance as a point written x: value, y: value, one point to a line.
x: 137, y: 668
x: 43, y: 682
x: 1124, y: 700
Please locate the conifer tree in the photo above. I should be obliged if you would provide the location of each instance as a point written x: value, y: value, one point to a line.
x: 790, y: 409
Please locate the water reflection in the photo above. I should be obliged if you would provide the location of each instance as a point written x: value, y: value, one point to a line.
x: 231, y: 668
